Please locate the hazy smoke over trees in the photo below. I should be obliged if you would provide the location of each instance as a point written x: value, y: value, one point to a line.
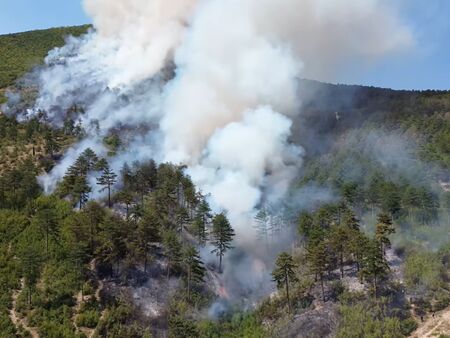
x: 211, y: 84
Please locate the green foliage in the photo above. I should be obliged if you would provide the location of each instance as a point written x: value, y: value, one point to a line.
x: 284, y: 274
x: 375, y: 266
x: 89, y: 318
x: 61, y: 281
x: 408, y: 326
x: 362, y: 321
x: 424, y: 271
x: 119, y: 323
x: 180, y: 327
x: 202, y: 221
x: 107, y: 179
x: 384, y: 228
x: 194, y: 267
x: 113, y: 143
x: 240, y: 325
x: 222, y: 234
x: 172, y: 250
x: 21, y: 51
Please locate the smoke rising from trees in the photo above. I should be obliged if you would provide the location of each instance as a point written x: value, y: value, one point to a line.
x: 210, y: 84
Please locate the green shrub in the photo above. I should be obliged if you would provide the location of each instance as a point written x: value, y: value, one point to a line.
x: 423, y: 270
x: 442, y: 301
x: 88, y: 319
x: 240, y: 325
x: 367, y: 321
x: 408, y: 326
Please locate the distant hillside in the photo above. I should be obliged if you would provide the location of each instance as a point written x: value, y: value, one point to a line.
x: 21, y: 51
x: 330, y: 110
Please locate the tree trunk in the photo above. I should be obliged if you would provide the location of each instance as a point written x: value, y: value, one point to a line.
x: 92, y: 234
x: 46, y: 240
x: 375, y: 286
x: 145, y: 263
x: 323, y: 290
x: 341, y: 259
x: 109, y: 196
x: 287, y: 292
x: 189, y: 284
x: 220, y: 263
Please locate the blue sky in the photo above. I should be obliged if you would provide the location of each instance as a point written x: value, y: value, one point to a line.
x: 426, y: 66
x: 24, y: 15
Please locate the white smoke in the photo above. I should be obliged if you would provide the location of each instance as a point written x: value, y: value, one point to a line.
x: 211, y: 84
x: 141, y: 33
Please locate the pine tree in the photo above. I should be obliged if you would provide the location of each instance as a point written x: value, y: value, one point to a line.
x: 350, y: 192
x: 125, y: 197
x: 172, y: 250
x: 90, y: 159
x: 262, y: 226
x: 373, y: 193
x: 305, y: 224
x: 350, y: 220
x: 112, y: 247
x: 126, y: 176
x: 145, y: 178
x: 194, y: 267
x: 51, y: 144
x: 390, y: 198
x: 81, y: 190
x: 107, y: 180
x: 375, y: 266
x: 411, y: 200
x: 384, y: 228
x: 318, y: 257
x: 201, y: 221
x: 339, y: 241
x: 147, y: 233
x: 284, y: 274
x: 181, y: 219
x: 358, y: 245
x: 222, y: 236
x: 95, y: 215
x: 190, y: 200
x: 30, y: 261
x: 46, y: 219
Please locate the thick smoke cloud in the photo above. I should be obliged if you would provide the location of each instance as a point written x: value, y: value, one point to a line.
x: 212, y: 84
x: 142, y: 34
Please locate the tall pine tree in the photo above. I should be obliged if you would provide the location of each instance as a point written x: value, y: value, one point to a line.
x: 107, y: 180
x: 284, y: 274
x: 195, y: 271
x: 222, y: 236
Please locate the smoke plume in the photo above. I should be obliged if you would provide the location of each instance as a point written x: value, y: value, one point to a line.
x: 211, y: 84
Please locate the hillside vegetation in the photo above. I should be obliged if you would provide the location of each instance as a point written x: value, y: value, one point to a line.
x: 19, y: 52
x: 371, y: 256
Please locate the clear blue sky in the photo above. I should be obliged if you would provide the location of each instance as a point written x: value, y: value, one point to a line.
x: 24, y: 15
x: 425, y: 66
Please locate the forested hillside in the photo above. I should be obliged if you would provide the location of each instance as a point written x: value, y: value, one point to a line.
x: 119, y: 252
x: 19, y: 52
